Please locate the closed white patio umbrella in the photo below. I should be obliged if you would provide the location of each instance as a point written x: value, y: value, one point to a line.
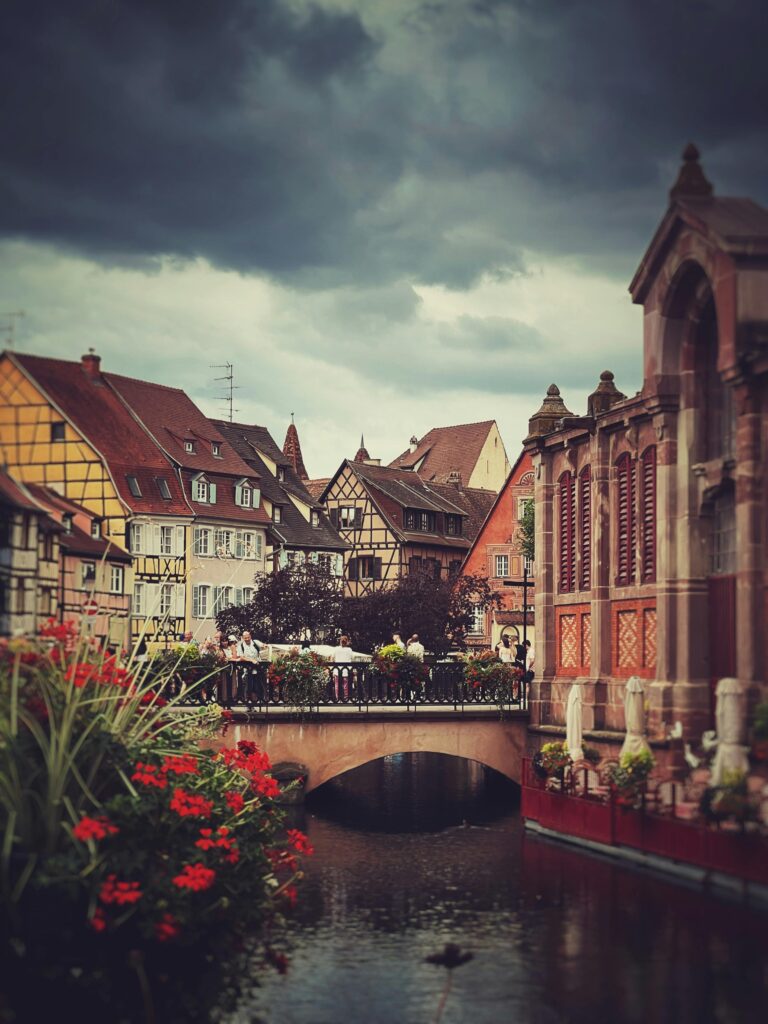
x: 573, y: 725
x: 634, y: 717
x: 731, y: 722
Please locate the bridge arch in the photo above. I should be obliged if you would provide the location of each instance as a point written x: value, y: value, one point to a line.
x: 329, y: 749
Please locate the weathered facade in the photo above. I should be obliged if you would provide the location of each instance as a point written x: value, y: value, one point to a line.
x: 496, y: 554
x: 652, y: 511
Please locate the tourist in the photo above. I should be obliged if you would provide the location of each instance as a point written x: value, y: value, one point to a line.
x: 504, y: 650
x: 229, y: 676
x: 249, y: 651
x: 342, y: 655
x: 415, y: 648
x: 398, y: 641
x: 529, y: 660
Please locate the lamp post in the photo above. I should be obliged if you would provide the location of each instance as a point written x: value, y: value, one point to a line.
x: 526, y: 584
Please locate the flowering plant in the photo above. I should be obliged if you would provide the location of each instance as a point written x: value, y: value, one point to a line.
x: 117, y: 825
x: 628, y: 777
x: 301, y: 677
x: 551, y: 759
x: 484, y: 672
x: 398, y: 668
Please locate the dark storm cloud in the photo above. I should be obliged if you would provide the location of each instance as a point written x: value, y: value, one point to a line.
x: 288, y: 139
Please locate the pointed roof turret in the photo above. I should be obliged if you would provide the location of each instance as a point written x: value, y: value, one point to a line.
x: 362, y: 452
x: 552, y: 409
x: 605, y: 395
x: 292, y: 451
x: 691, y: 181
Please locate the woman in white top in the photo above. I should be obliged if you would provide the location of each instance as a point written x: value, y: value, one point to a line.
x: 504, y: 650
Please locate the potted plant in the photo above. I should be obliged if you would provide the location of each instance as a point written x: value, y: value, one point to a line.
x: 552, y: 760
x: 730, y: 801
x: 301, y: 677
x: 485, y: 674
x: 403, y: 674
x: 629, y: 775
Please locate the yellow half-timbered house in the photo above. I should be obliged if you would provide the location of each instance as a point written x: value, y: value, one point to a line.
x: 63, y: 425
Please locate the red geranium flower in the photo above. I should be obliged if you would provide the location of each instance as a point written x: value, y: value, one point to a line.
x: 166, y: 928
x: 195, y: 877
x: 98, y: 922
x: 235, y: 801
x: 299, y: 842
x: 94, y: 828
x: 189, y: 804
x: 184, y: 764
x: 113, y: 891
x: 149, y: 775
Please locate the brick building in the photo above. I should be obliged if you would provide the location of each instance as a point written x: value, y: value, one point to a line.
x: 652, y: 511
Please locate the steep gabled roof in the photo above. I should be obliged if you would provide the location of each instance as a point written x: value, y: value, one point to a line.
x: 99, y: 414
x: 445, y: 451
x: 76, y: 541
x: 15, y: 494
x: 249, y: 439
x: 292, y: 451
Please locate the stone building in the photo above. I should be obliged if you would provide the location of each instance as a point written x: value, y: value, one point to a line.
x: 652, y: 510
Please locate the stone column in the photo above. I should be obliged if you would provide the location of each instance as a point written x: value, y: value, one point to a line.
x: 546, y: 654
x: 750, y: 506
x: 600, y: 610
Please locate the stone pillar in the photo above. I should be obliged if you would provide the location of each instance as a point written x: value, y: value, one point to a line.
x: 600, y: 610
x: 750, y: 511
x: 546, y: 654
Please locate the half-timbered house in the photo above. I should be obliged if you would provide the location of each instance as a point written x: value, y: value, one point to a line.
x: 397, y: 523
x: 496, y: 554
x: 95, y: 580
x: 63, y: 425
x: 299, y: 527
x: 29, y: 559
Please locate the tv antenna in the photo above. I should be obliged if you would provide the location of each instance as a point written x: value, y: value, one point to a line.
x: 229, y: 387
x: 9, y: 326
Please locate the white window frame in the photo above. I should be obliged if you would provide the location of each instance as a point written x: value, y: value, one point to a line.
x: 347, y: 522
x: 138, y: 601
x: 223, y: 542
x: 138, y: 547
x: 247, y: 595
x: 277, y: 514
x: 477, y: 626
x: 189, y: 447
x: 216, y: 449
x: 201, y: 594
x: 201, y: 491
x: 165, y: 604
x: 166, y: 540
x: 222, y: 598
x: 95, y: 529
x: 116, y: 579
x: 201, y: 544
x: 314, y: 516
x: 501, y: 566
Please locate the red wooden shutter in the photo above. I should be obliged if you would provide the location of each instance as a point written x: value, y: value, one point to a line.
x: 567, y: 532
x: 627, y: 520
x: 648, y: 515
x: 585, y: 527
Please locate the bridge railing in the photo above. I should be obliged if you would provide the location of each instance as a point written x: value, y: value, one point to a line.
x: 356, y: 685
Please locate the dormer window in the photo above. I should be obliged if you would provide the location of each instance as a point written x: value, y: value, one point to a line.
x: 203, y: 490
x: 244, y: 494
x: 280, y: 474
x: 189, y: 447
x: 215, y: 449
x: 277, y: 514
x: 315, y: 518
x: 66, y: 522
x: 95, y: 528
x: 162, y: 486
x: 133, y: 486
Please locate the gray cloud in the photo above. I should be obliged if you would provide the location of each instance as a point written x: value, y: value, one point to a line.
x: 368, y: 142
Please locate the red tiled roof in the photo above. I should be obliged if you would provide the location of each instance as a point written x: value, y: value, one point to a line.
x: 316, y: 487
x: 77, y: 541
x: 447, y: 450
x: 16, y: 494
x: 99, y: 414
x: 225, y: 507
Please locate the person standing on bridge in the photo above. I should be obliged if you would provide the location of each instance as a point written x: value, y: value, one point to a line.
x: 342, y: 655
x: 415, y: 647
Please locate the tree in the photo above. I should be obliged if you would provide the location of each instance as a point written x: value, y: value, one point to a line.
x: 526, y: 533
x: 288, y: 605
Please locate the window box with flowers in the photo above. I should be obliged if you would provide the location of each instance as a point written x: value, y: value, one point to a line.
x: 403, y: 675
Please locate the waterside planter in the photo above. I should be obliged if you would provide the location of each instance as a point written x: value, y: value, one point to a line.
x: 743, y: 855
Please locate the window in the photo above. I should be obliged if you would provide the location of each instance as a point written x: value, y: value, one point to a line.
x: 368, y: 568
x: 166, y: 540
x: 166, y: 599
x: 349, y: 518
x: 95, y: 528
x: 585, y: 528
x: 648, y: 515
x: 245, y: 497
x: 138, y: 539
x: 453, y: 526
x: 21, y: 596
x: 201, y: 541
x: 527, y: 565
x: 724, y: 534
x: 280, y: 474
x: 415, y: 565
x: 215, y: 450
x: 244, y: 494
x: 277, y: 514
x: 415, y: 519
x: 502, y: 565
x: 245, y: 544
x: 247, y: 595
x: 116, y: 579
x: 133, y: 486
x: 139, y: 595
x: 200, y: 490
x: 5, y: 528
x: 567, y: 522
x: 434, y: 567
x: 87, y: 574
x: 66, y: 521
x: 314, y: 517
x: 626, y: 520
x: 189, y: 446
x: 222, y: 598
x: 57, y: 431
x: 477, y: 622
x: 162, y: 486
x: 223, y: 541
x: 201, y: 596
x: 454, y: 567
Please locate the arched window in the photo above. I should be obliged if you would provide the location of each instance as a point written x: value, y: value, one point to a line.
x: 723, y: 548
x: 626, y: 517
x: 585, y: 528
x: 567, y: 533
x: 648, y: 515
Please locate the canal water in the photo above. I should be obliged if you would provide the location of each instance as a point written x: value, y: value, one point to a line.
x: 419, y: 850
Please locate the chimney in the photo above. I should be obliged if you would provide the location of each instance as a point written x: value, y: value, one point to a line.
x: 91, y: 364
x: 413, y: 444
x: 454, y: 477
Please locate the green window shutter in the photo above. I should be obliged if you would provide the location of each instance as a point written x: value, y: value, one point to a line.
x: 212, y: 493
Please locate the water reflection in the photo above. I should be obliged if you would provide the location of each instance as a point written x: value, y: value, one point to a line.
x: 557, y: 936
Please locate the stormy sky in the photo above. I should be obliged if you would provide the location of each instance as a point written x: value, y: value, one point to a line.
x: 387, y: 214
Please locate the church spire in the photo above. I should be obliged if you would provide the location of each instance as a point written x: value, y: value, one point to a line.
x: 292, y: 451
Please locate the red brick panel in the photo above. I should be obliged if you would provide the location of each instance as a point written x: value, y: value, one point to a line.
x: 574, y: 635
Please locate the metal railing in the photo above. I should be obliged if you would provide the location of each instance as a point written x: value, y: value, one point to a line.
x: 354, y: 685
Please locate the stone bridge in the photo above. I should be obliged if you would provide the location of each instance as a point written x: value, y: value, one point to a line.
x: 327, y: 746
